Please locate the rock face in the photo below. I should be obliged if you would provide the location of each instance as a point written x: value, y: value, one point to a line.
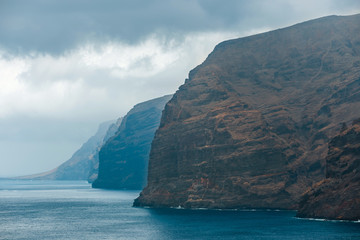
x: 338, y: 196
x: 84, y: 162
x: 112, y: 129
x: 251, y: 125
x: 124, y: 158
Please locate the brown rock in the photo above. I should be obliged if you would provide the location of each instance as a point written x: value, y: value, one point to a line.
x: 337, y: 197
x: 250, y: 127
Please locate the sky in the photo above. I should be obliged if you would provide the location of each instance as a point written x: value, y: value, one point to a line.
x: 66, y: 66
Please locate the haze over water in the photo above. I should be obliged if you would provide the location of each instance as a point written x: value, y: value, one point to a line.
x: 72, y: 210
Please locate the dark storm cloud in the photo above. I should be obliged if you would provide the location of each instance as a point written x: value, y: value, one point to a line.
x: 55, y: 26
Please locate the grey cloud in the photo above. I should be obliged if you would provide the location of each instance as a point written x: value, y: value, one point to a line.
x: 56, y: 26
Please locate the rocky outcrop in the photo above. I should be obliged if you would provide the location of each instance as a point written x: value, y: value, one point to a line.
x: 124, y: 158
x: 84, y: 162
x: 250, y: 127
x: 338, y: 196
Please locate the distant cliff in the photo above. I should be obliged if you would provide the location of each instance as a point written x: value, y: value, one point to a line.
x: 84, y: 162
x: 112, y: 129
x: 338, y: 196
x: 250, y: 127
x: 123, y: 159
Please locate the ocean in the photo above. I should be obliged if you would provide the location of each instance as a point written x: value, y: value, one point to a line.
x: 73, y: 210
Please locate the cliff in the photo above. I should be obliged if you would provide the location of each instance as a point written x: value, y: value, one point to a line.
x: 338, y: 196
x: 250, y: 127
x: 94, y: 169
x: 84, y: 162
x: 123, y: 159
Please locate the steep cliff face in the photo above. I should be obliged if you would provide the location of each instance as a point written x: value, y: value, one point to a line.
x: 123, y: 160
x: 84, y: 162
x: 250, y: 126
x: 338, y: 196
x: 94, y: 170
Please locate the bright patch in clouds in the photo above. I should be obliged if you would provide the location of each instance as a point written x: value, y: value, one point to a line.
x: 10, y: 85
x: 107, y: 79
x: 143, y: 60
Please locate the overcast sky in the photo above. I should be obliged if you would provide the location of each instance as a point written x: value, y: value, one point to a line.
x: 66, y: 66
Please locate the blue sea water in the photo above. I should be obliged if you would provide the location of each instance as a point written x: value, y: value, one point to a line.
x: 73, y: 210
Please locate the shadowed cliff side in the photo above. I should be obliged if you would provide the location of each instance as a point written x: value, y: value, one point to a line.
x: 94, y: 170
x: 251, y: 125
x: 123, y: 160
x: 338, y: 196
